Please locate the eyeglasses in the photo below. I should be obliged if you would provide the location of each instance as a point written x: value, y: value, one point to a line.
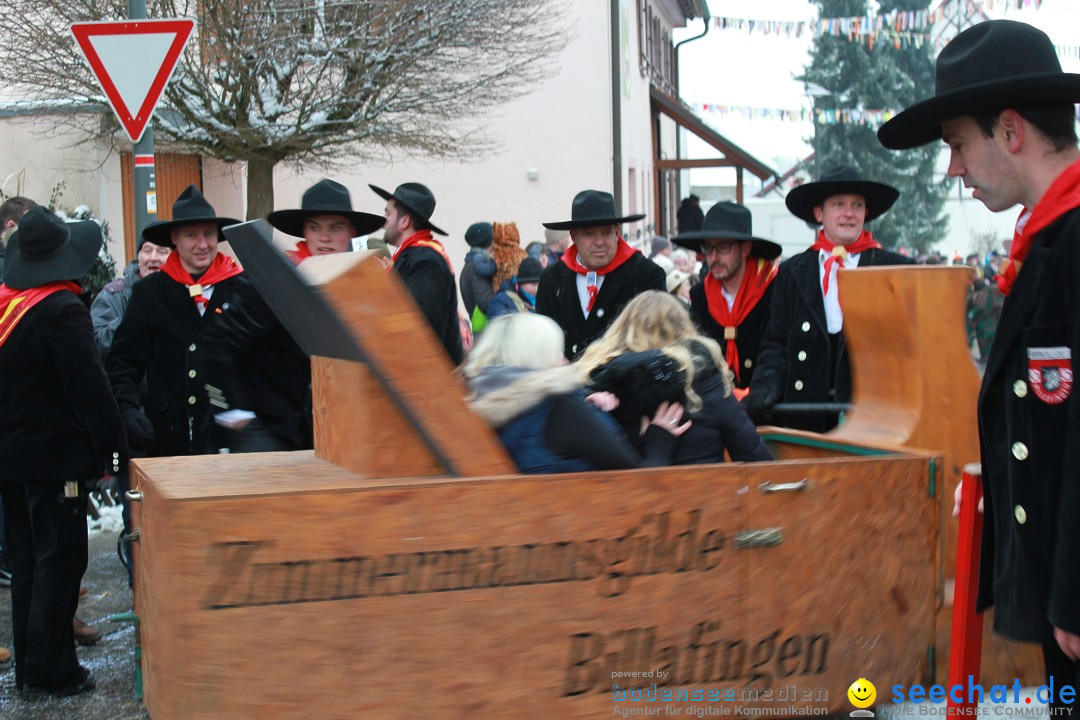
x: 719, y: 248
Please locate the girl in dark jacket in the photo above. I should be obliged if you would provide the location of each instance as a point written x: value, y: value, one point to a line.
x: 653, y: 353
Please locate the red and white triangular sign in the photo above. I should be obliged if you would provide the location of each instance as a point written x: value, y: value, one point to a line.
x: 133, y: 61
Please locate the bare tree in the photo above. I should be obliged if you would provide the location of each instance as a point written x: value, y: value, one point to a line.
x: 309, y: 82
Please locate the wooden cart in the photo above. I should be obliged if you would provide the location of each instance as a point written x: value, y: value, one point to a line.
x: 405, y: 570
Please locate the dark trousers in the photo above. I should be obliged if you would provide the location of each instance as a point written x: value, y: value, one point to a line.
x: 1065, y: 672
x: 49, y: 554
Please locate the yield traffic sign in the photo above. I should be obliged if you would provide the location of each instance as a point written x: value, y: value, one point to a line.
x: 133, y: 61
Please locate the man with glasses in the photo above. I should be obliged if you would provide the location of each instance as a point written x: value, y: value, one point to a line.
x: 732, y: 304
x: 803, y: 358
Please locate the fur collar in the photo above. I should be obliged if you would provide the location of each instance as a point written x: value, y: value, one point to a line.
x: 500, y: 393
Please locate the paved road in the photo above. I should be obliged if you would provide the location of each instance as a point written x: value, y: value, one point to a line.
x: 111, y: 660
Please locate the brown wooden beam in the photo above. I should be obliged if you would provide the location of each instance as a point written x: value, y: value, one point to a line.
x: 739, y: 185
x: 684, y: 164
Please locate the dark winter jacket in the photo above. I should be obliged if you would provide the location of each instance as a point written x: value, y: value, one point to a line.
x: 796, y: 356
x: 431, y: 284
x: 557, y: 297
x: 642, y: 380
x: 547, y: 427
x: 58, y: 418
x: 510, y: 300
x: 162, y: 339
x: 108, y: 308
x: 721, y: 423
x: 253, y: 363
x: 1029, y: 432
x: 748, y: 334
x: 475, y: 281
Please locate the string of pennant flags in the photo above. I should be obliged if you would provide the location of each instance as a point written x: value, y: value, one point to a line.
x: 899, y: 29
x: 819, y: 116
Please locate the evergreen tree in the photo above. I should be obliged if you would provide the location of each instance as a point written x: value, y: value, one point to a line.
x: 884, y: 77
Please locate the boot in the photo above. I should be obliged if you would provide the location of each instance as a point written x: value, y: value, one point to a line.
x: 85, y: 634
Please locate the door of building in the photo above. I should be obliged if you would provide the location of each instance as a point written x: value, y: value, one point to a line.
x: 174, y: 172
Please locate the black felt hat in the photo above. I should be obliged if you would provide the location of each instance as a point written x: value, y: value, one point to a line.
x: 995, y: 64
x: 325, y: 197
x: 729, y: 221
x: 842, y: 180
x: 191, y: 208
x: 592, y: 208
x: 46, y: 249
x: 417, y: 199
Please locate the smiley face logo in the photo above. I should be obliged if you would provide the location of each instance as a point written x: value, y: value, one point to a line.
x: 862, y: 693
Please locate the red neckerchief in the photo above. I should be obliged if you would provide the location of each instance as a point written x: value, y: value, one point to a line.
x: 424, y: 239
x: 837, y: 253
x: 222, y: 268
x: 623, y: 252
x: 14, y: 303
x: 1062, y: 196
x: 300, y: 254
x: 758, y: 275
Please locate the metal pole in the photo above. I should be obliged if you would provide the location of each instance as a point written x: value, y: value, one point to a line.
x: 143, y: 174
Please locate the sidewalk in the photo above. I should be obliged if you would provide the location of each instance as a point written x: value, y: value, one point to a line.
x: 111, y: 659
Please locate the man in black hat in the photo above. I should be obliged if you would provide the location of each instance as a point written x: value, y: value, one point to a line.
x: 690, y: 218
x: 1007, y: 113
x: 803, y: 358
x: 421, y: 261
x: 257, y: 377
x: 597, y: 275
x: 732, y: 304
x: 59, y: 429
x: 161, y: 336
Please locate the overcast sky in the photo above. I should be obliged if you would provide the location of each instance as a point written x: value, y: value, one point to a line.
x: 757, y: 70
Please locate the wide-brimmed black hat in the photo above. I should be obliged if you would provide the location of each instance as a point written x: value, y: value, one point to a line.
x: 46, y: 249
x: 843, y: 180
x: 592, y: 208
x: 191, y: 208
x: 728, y: 221
x: 325, y: 197
x: 992, y: 65
x: 417, y: 199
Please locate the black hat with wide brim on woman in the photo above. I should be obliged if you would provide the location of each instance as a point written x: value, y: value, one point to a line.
x: 729, y: 221
x: 325, y: 197
x: 46, y: 249
x: 191, y: 208
x: 592, y: 208
x: 993, y: 65
x: 415, y: 198
x: 843, y: 180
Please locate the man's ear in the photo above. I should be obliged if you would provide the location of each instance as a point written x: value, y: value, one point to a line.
x: 818, y: 214
x: 1012, y: 129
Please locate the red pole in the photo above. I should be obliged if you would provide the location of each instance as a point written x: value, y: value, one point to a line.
x: 965, y: 646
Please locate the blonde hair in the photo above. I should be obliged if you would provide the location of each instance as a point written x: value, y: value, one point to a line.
x: 524, y: 340
x: 656, y: 320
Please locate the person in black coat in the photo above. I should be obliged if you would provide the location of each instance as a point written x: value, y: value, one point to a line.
x: 597, y: 275
x: 803, y: 357
x: 258, y: 378
x: 652, y: 354
x: 421, y: 261
x: 161, y: 336
x: 1015, y: 153
x: 59, y: 430
x: 477, y: 289
x: 732, y: 304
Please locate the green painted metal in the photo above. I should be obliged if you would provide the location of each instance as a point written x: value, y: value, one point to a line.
x: 824, y: 444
